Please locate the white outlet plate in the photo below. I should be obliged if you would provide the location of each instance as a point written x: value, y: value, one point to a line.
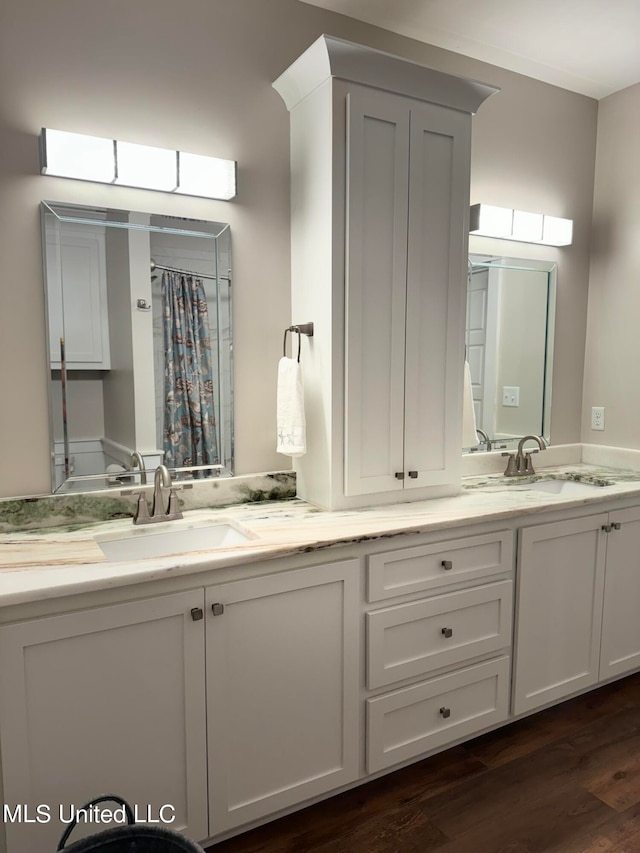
x: 597, y: 418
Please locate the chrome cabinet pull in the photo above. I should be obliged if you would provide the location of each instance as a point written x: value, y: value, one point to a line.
x: 217, y: 609
x: 196, y: 614
x: 413, y: 475
x: 445, y: 712
x: 447, y: 632
x: 616, y: 525
x: 606, y: 528
x: 447, y: 565
x: 399, y: 475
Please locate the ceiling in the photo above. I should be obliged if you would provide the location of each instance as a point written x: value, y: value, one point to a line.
x: 587, y: 46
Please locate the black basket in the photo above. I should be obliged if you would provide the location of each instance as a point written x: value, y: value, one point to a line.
x: 132, y: 838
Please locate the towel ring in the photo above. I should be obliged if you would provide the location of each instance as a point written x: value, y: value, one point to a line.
x: 302, y: 329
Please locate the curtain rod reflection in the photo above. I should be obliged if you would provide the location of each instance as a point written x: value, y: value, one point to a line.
x: 155, y: 266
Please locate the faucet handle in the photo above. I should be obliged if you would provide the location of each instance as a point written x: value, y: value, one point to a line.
x: 512, y: 467
x: 173, y: 510
x: 141, y: 515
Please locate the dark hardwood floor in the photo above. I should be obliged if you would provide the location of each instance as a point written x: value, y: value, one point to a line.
x: 565, y: 780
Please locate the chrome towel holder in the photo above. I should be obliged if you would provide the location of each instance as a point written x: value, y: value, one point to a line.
x: 301, y: 329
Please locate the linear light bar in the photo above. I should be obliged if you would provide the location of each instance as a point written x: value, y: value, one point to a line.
x: 507, y: 224
x: 107, y: 161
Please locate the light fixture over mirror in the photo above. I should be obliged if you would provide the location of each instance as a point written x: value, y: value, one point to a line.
x: 117, y: 282
x: 486, y: 220
x: 108, y: 161
x: 509, y: 343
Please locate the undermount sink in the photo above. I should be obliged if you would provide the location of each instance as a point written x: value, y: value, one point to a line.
x: 177, y: 538
x: 561, y: 487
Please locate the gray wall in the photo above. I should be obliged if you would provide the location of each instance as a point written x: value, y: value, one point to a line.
x: 197, y: 75
x: 613, y: 338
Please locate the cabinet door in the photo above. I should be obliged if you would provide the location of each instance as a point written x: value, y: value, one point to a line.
x: 620, y: 650
x: 559, y: 612
x: 436, y: 294
x: 282, y: 690
x: 376, y: 259
x: 109, y: 700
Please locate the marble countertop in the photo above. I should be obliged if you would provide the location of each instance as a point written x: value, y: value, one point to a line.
x: 51, y: 563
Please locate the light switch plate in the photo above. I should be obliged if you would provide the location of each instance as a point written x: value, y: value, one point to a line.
x: 510, y: 395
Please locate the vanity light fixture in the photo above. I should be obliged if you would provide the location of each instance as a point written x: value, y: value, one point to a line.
x: 108, y: 161
x: 507, y: 224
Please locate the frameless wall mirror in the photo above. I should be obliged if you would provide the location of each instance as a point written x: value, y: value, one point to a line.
x: 509, y: 344
x: 140, y: 346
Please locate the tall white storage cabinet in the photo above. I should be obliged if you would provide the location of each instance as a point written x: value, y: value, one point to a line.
x: 380, y: 151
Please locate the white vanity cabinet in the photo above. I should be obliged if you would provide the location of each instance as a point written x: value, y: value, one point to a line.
x: 227, y: 703
x: 454, y: 644
x: 380, y: 151
x: 107, y: 700
x: 283, y: 667
x: 579, y: 584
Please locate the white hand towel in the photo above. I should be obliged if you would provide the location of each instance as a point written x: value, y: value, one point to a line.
x: 291, y: 438
x: 469, y: 434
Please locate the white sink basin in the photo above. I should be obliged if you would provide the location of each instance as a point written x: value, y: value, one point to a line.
x: 561, y: 487
x: 172, y: 538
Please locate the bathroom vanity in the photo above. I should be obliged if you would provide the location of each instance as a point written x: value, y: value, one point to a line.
x: 239, y: 682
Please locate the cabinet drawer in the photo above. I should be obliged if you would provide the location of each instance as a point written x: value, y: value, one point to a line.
x: 431, y: 566
x: 417, y: 719
x: 414, y: 639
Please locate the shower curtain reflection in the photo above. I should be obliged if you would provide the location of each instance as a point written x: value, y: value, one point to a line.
x: 189, y: 417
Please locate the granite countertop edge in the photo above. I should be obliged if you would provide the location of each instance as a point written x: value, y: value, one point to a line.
x: 287, y: 528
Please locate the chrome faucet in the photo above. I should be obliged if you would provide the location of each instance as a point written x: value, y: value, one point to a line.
x: 137, y: 461
x: 161, y: 481
x: 520, y: 464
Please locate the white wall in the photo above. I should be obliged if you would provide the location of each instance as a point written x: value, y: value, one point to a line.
x: 197, y: 75
x: 613, y: 339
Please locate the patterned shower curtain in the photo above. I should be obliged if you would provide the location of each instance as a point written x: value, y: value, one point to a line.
x: 189, y: 417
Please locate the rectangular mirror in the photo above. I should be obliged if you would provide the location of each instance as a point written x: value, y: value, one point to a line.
x: 509, y: 346
x: 140, y: 345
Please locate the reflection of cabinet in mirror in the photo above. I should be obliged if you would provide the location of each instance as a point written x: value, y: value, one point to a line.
x: 99, y: 278
x: 76, y: 253
x: 509, y: 345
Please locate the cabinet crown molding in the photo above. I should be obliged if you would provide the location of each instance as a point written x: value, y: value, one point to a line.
x: 333, y: 57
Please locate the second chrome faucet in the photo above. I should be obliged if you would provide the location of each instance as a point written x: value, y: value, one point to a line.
x: 159, y: 512
x: 520, y: 464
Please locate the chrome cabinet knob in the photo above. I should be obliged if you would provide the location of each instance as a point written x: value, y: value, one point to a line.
x: 445, y: 712
x: 447, y: 632
x: 447, y: 565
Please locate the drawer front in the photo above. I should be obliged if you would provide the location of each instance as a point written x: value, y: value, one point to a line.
x: 417, y: 719
x: 416, y: 638
x: 428, y: 567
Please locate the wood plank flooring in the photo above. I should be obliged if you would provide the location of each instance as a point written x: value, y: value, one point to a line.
x: 566, y: 780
